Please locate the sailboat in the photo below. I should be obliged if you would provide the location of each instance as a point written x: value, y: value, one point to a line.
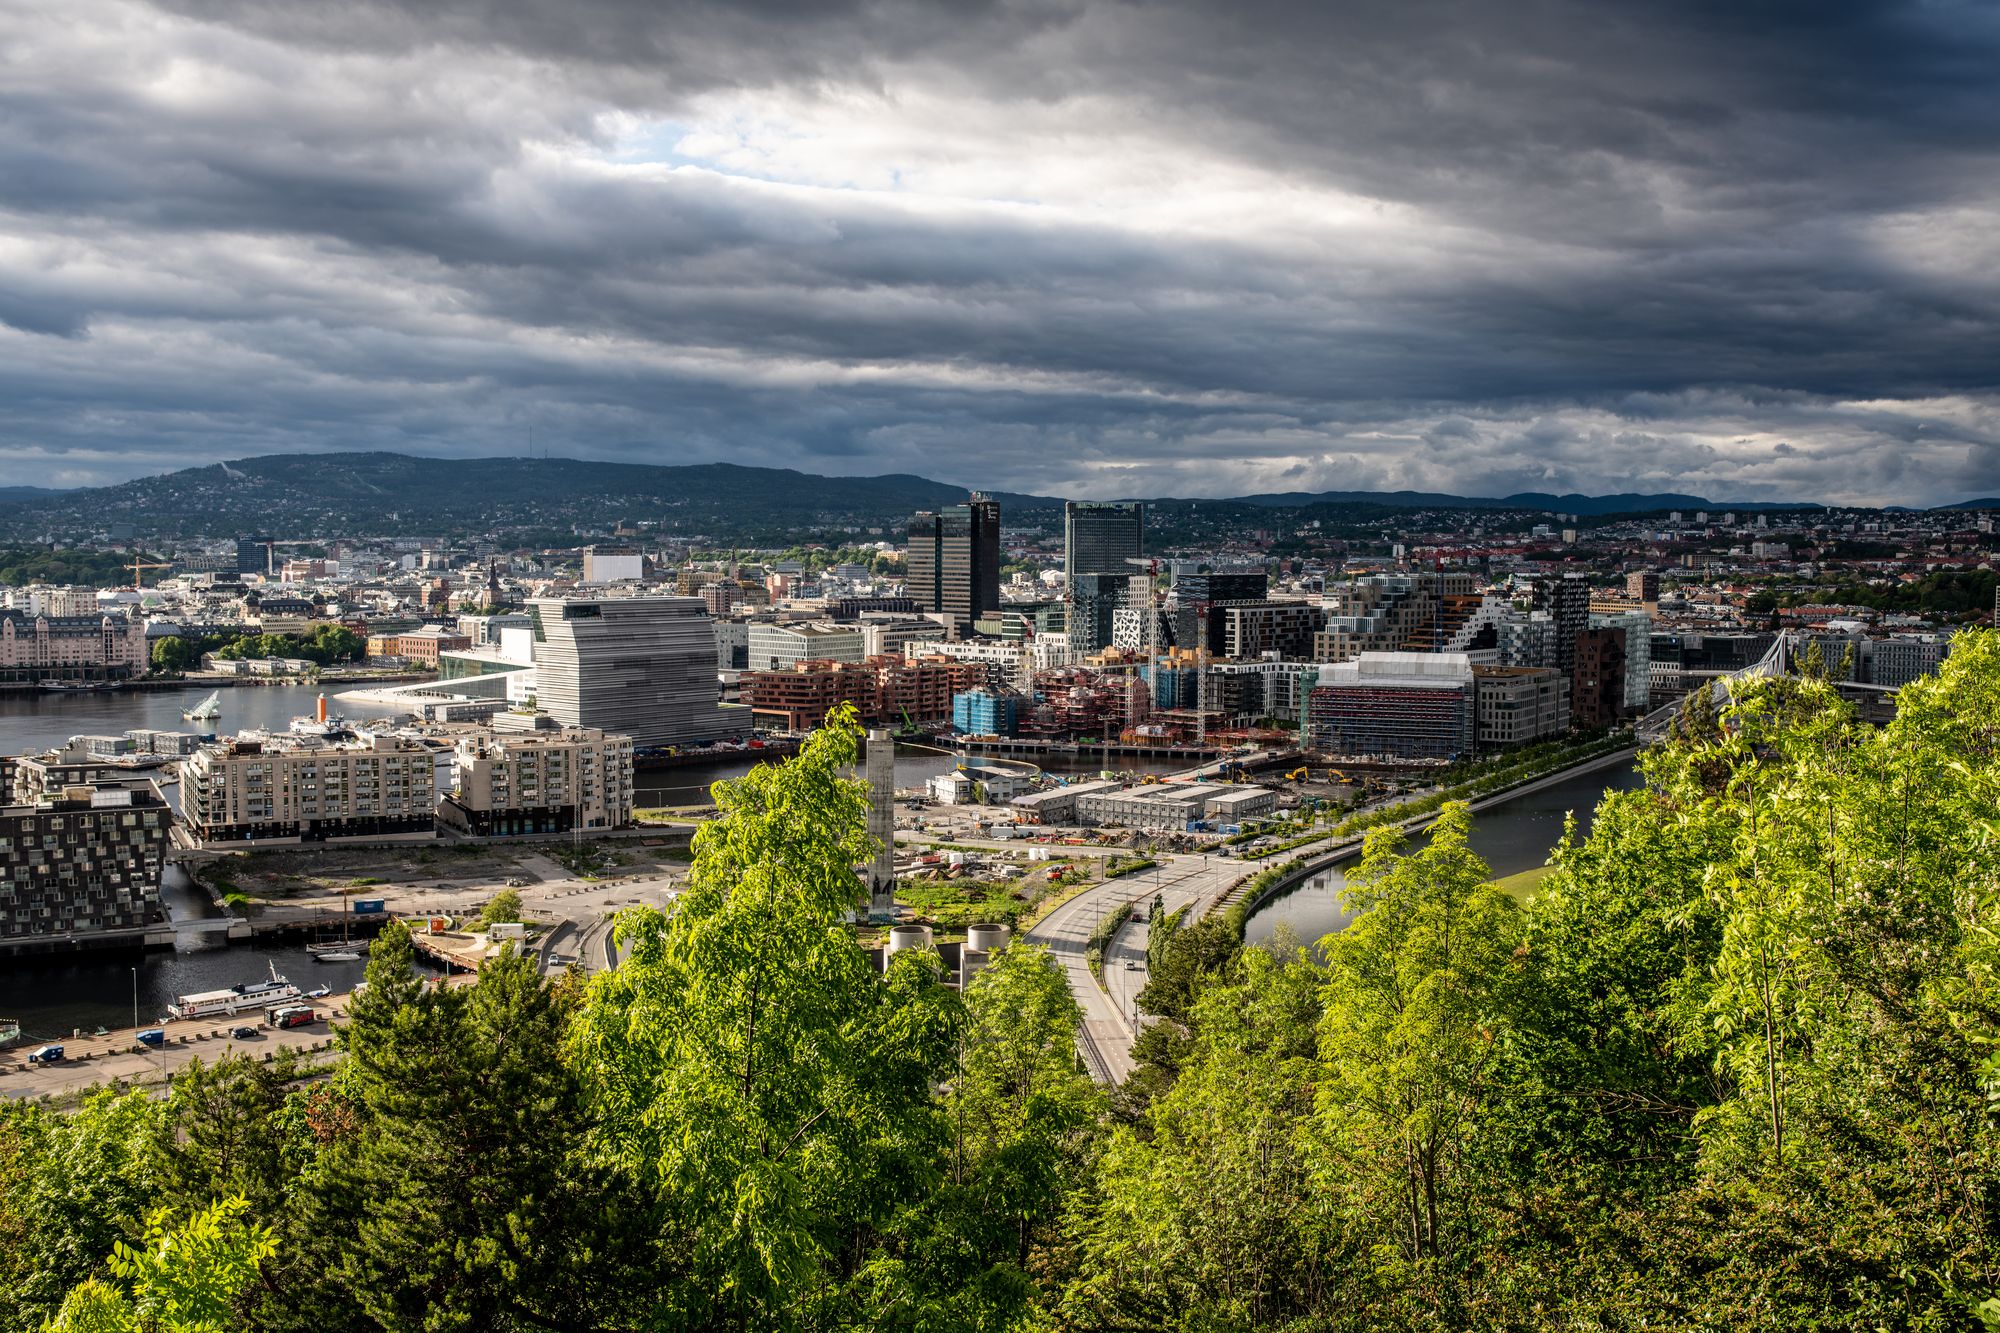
x: 342, y: 950
x: 207, y: 710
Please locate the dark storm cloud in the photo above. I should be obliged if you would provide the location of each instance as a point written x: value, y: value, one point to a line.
x: 1195, y: 249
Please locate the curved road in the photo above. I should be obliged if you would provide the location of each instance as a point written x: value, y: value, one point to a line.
x: 1109, y: 1019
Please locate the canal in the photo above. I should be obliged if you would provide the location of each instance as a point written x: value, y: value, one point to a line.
x: 1513, y: 837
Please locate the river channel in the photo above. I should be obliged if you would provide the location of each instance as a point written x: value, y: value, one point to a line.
x: 1512, y: 837
x: 51, y: 997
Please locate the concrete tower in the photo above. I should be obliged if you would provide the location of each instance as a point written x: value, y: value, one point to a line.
x: 881, y: 766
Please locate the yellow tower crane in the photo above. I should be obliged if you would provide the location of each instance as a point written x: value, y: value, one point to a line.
x: 140, y: 565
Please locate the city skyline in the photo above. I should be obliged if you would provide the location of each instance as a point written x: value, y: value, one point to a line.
x: 1069, y: 249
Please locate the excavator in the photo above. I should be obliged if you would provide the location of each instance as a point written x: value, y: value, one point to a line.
x: 1299, y: 774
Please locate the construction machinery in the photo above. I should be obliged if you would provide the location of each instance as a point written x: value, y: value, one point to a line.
x: 1298, y: 774
x: 140, y: 565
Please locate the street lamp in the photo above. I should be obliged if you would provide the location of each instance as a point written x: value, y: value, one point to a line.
x: 135, y: 999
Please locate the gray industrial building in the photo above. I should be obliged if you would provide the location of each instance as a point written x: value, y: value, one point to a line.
x: 644, y: 667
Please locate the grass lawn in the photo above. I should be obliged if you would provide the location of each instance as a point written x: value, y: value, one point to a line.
x: 1523, y: 885
x: 954, y: 904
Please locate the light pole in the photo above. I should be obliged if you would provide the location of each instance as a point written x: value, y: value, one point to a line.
x: 135, y: 999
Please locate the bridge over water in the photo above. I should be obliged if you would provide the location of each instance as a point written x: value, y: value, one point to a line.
x: 1781, y: 659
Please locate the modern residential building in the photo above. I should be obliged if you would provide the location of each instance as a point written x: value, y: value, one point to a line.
x: 1638, y: 627
x: 1404, y: 705
x: 314, y: 787
x: 40, y: 648
x: 1255, y: 630
x: 1090, y: 609
x: 1567, y: 600
x: 1643, y: 586
x: 555, y: 780
x: 1597, y: 678
x: 1279, y: 691
x: 1517, y: 705
x: 882, y: 689
x: 1383, y: 613
x: 984, y: 712
x: 84, y: 861
x: 953, y: 561
x: 643, y: 667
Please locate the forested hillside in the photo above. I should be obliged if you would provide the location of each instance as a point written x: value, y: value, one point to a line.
x: 1734, y: 1068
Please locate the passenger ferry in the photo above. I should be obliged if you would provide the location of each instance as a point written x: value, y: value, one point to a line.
x: 249, y: 995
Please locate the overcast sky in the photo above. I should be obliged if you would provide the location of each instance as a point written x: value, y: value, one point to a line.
x: 1747, y: 250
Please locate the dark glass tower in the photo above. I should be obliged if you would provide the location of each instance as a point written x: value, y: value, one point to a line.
x: 954, y: 561
x: 1098, y: 540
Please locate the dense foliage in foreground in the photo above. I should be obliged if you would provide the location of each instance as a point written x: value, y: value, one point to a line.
x: 1736, y: 1066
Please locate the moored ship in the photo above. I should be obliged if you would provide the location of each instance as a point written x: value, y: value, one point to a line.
x: 237, y: 999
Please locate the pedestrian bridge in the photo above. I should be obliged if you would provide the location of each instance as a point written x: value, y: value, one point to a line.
x: 1781, y: 659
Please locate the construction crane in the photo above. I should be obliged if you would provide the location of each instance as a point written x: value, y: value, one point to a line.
x: 140, y: 565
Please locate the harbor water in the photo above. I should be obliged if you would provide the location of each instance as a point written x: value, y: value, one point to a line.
x: 51, y: 996
x: 1511, y: 838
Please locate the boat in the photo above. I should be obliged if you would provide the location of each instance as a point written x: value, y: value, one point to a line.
x: 319, y: 992
x: 249, y: 995
x: 207, y: 710
x: 337, y: 954
x: 10, y: 1032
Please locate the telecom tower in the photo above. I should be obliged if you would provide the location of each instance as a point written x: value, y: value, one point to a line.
x: 881, y: 770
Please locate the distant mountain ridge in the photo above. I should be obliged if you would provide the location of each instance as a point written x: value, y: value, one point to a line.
x: 297, y: 496
x: 15, y: 494
x: 1595, y: 506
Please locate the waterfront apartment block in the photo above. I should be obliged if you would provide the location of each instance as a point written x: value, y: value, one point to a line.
x: 84, y: 861
x: 882, y: 689
x: 643, y: 667
x: 1519, y: 705
x: 984, y: 712
x: 559, y: 780
x: 41, y: 648
x: 309, y: 788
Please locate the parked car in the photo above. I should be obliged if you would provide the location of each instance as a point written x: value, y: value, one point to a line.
x: 244, y: 1032
x: 150, y: 1037
x: 45, y: 1055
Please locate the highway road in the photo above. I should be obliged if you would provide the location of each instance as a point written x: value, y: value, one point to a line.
x: 1108, y: 1019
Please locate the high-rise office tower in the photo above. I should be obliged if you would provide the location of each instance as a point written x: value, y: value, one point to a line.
x: 1100, y: 539
x: 953, y: 564
x: 640, y: 666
